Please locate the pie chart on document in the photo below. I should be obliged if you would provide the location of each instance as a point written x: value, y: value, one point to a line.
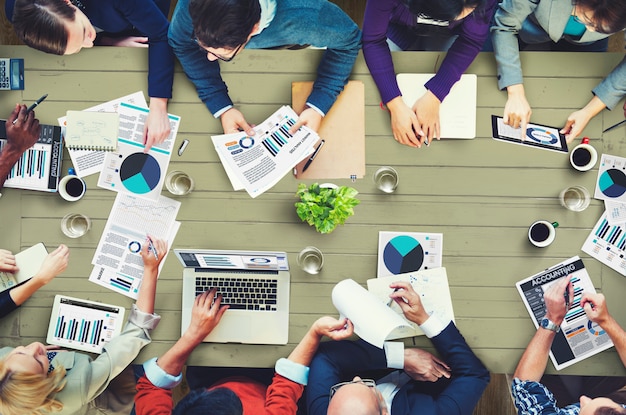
x: 403, y: 254
x: 140, y: 173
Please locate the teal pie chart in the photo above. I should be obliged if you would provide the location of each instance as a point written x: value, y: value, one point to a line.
x: 612, y: 183
x: 140, y: 173
x: 403, y: 254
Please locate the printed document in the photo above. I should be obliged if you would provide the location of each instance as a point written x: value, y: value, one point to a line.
x: 87, y: 162
x: 373, y: 321
x: 118, y: 263
x: 431, y: 285
x: 579, y: 337
x: 256, y: 163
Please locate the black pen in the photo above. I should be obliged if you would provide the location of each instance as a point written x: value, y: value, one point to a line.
x: 614, y: 126
x: 32, y: 107
x: 310, y: 160
x: 566, y: 295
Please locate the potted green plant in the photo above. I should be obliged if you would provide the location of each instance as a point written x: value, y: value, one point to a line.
x: 324, y: 206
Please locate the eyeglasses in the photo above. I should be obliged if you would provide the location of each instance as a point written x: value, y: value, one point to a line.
x: 220, y: 57
x: 370, y: 383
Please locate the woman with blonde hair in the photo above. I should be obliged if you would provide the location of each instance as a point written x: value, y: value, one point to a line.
x: 36, y: 379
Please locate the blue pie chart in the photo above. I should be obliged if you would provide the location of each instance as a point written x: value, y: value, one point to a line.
x: 140, y: 173
x: 612, y: 183
x: 403, y: 254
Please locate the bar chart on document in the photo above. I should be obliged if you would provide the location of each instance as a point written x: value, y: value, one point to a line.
x: 607, y: 244
x: 117, y: 261
x: 89, y: 325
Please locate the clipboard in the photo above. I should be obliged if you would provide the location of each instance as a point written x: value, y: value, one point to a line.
x: 343, y: 129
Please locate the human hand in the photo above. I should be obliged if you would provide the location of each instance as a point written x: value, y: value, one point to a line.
x: 157, y: 126
x: 517, y: 109
x: 595, y: 308
x: 427, y: 111
x: 404, y: 123
x: 308, y: 117
x: 7, y: 261
x: 54, y: 264
x: 423, y: 366
x: 332, y: 328
x: 554, y: 298
x: 409, y: 301
x: 24, y: 133
x: 205, y: 315
x: 234, y: 122
x: 576, y: 123
x: 150, y: 260
x: 129, y: 41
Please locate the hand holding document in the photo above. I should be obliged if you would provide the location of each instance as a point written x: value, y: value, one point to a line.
x: 256, y: 163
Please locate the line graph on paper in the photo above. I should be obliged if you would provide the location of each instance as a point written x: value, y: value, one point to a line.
x: 149, y: 216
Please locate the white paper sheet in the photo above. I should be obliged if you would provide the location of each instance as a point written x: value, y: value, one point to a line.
x: 87, y: 162
x: 258, y: 162
x: 118, y: 263
x: 129, y: 169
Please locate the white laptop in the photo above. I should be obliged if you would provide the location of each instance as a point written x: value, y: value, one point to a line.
x: 255, y: 284
x: 457, y: 113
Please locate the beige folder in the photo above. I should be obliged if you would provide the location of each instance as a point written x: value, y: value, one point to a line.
x: 343, y: 129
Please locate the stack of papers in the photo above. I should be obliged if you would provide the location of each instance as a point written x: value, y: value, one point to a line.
x: 256, y: 163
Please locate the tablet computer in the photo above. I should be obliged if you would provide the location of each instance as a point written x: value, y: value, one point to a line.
x: 540, y: 136
x: 82, y: 324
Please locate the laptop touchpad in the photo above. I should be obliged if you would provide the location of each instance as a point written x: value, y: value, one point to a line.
x: 233, y: 328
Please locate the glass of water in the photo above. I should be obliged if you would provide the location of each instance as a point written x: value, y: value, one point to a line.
x: 75, y: 225
x: 311, y: 260
x: 386, y: 179
x: 575, y: 198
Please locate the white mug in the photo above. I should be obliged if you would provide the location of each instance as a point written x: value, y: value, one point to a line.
x: 542, y: 233
x: 72, y: 188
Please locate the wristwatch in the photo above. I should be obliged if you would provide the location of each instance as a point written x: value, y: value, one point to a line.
x: 550, y: 325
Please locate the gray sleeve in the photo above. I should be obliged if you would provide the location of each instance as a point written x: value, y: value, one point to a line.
x: 507, y: 23
x: 613, y: 88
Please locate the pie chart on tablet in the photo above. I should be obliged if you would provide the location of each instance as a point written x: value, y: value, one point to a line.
x: 140, y: 173
x: 612, y: 183
x: 403, y: 254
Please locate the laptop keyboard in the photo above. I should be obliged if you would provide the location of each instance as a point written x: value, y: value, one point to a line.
x: 242, y: 293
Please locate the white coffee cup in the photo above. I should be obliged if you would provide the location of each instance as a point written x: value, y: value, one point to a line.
x: 72, y: 188
x: 584, y: 156
x: 542, y: 233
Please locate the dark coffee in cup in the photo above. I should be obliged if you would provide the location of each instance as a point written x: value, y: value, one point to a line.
x: 75, y: 187
x: 581, y: 156
x: 540, y: 232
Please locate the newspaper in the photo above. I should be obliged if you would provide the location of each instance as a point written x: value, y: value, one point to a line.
x: 256, y: 163
x: 579, y: 337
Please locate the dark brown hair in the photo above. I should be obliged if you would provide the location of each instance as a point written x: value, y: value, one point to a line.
x: 609, y: 16
x: 40, y: 24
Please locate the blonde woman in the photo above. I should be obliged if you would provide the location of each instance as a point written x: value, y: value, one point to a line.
x: 36, y: 379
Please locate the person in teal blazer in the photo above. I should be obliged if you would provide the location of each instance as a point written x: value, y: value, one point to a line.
x: 580, y: 22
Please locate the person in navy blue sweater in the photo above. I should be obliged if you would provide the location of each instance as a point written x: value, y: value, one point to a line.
x: 64, y: 27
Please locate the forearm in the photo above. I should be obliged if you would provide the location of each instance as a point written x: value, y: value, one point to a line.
x: 23, y: 292
x: 174, y: 359
x: 533, y: 363
x: 147, y: 291
x: 618, y: 336
x: 612, y: 89
x: 8, y: 157
x: 305, y: 350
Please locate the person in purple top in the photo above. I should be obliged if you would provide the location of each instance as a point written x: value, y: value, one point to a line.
x: 422, y: 25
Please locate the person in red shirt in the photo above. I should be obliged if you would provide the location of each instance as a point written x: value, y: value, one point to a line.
x: 234, y: 395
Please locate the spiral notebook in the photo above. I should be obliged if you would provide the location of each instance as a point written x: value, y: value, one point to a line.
x: 89, y: 130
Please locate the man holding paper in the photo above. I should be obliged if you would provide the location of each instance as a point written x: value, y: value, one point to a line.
x: 426, y: 385
x: 533, y: 397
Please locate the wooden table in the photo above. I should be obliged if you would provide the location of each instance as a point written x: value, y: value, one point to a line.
x: 481, y: 194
